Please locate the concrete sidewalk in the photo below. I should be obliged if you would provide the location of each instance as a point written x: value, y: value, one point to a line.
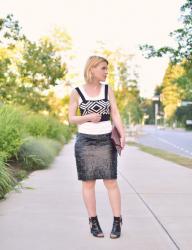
x: 156, y: 207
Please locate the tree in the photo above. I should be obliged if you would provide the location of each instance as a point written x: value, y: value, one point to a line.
x: 182, y: 114
x: 148, y: 110
x: 182, y: 54
x: 171, y: 93
x: 10, y: 37
x: 10, y: 31
x: 123, y: 77
x: 29, y: 70
x: 58, y: 107
x: 182, y: 36
x: 111, y: 57
x: 127, y: 93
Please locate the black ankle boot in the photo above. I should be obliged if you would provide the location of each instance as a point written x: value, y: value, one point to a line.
x: 116, y: 230
x: 95, y: 227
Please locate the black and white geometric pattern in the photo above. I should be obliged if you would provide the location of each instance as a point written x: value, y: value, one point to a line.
x: 98, y: 106
x: 101, y: 106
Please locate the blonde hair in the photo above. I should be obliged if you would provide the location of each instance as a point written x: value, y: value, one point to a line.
x: 92, y: 62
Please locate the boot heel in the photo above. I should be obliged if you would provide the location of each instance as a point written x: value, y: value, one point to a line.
x: 116, y: 229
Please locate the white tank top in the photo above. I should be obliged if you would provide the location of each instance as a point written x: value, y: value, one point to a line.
x: 98, y: 128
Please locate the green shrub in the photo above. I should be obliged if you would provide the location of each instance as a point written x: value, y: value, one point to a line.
x: 3, y: 155
x: 38, y: 153
x: 21, y: 174
x: 7, y: 181
x: 46, y: 126
x: 68, y: 131
x: 56, y: 130
x: 11, y: 130
x: 32, y: 139
x: 36, y: 125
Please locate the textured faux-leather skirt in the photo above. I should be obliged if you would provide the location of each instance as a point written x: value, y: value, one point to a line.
x: 96, y: 157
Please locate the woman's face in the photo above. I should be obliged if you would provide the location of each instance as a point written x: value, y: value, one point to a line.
x: 100, y: 71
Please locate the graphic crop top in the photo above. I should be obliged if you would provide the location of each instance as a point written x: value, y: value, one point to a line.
x: 101, y: 106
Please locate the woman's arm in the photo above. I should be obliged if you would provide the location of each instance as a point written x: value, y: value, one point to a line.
x: 75, y: 119
x: 116, y: 117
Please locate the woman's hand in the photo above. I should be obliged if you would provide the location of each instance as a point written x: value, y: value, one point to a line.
x: 94, y: 117
x: 122, y: 141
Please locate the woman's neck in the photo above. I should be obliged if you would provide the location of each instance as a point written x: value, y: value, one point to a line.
x: 94, y: 83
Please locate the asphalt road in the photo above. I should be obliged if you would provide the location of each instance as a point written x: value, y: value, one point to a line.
x: 175, y: 141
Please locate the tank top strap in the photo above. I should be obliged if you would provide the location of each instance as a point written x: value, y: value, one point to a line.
x: 80, y: 93
x: 106, y: 91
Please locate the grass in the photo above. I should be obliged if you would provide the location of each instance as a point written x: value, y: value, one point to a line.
x: 181, y: 160
x: 11, y: 130
x: 28, y: 142
x: 7, y: 182
x: 38, y: 153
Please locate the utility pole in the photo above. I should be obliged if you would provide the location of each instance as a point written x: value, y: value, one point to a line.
x: 156, y: 103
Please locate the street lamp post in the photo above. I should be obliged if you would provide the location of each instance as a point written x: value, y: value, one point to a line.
x: 156, y: 102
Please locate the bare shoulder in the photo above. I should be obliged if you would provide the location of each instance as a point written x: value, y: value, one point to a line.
x: 74, y: 91
x: 74, y: 95
x: 112, y: 100
x: 111, y: 92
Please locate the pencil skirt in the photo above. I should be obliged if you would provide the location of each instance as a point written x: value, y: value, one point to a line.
x: 96, y: 157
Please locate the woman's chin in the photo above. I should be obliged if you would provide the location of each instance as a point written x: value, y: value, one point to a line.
x: 103, y: 80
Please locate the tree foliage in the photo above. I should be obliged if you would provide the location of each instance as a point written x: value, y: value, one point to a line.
x: 182, y: 37
x: 39, y: 69
x: 10, y: 31
x: 172, y: 94
x: 28, y: 70
x: 123, y: 77
x: 182, y: 114
x: 182, y: 54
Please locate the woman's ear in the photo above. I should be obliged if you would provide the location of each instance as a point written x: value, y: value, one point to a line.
x: 92, y: 72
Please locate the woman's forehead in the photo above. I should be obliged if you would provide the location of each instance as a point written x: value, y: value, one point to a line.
x: 101, y: 64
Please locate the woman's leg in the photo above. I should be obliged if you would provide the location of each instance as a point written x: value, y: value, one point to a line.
x: 115, y: 201
x: 114, y: 196
x: 88, y: 190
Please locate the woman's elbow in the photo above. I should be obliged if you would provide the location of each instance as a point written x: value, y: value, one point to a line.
x: 70, y: 119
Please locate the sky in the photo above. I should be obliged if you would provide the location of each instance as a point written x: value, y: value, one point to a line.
x: 118, y: 23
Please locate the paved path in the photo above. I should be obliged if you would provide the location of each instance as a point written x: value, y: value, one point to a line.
x: 156, y: 207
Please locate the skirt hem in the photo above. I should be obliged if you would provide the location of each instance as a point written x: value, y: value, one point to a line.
x: 99, y: 178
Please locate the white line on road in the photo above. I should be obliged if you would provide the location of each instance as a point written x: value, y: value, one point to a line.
x: 174, y: 145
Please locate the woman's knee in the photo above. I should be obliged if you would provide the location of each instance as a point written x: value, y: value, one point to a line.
x: 89, y: 184
x: 110, y: 184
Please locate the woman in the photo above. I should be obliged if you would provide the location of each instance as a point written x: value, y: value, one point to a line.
x: 96, y: 156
